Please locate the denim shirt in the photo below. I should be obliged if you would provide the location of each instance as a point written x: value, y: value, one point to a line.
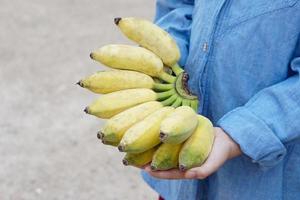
x: 243, y: 58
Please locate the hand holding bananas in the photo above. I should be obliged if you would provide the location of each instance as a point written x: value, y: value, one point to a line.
x: 224, y: 148
x: 151, y: 114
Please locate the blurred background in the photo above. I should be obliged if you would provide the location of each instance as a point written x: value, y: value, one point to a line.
x: 48, y: 145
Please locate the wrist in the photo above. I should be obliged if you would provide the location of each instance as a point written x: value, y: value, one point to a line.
x: 234, y: 148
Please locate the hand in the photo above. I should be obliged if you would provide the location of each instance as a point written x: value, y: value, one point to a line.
x: 224, y: 148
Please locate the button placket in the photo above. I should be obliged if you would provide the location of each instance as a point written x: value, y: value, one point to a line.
x: 205, y: 47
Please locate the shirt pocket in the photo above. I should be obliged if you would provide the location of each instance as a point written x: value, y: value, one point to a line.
x: 239, y: 12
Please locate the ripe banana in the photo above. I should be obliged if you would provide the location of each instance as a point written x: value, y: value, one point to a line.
x: 113, y: 103
x: 104, y: 82
x: 116, y: 126
x: 150, y: 36
x: 114, y: 144
x: 197, y: 148
x: 140, y: 159
x: 179, y: 125
x: 166, y: 157
x: 132, y: 58
x: 145, y: 134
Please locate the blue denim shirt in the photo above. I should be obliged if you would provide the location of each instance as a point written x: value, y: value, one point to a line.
x: 243, y: 58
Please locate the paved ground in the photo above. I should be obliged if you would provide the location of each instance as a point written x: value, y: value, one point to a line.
x: 48, y: 146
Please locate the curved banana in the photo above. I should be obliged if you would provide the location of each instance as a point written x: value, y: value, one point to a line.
x: 113, y: 103
x: 132, y: 58
x: 104, y: 82
x: 115, y: 127
x: 145, y: 134
x: 179, y: 125
x: 150, y: 36
x: 140, y: 159
x: 197, y: 148
x: 166, y: 157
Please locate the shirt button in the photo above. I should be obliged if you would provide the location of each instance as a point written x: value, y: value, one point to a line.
x: 205, y: 47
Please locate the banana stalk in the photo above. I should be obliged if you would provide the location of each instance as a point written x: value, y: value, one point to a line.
x: 194, y: 105
x: 177, y: 103
x: 186, y: 102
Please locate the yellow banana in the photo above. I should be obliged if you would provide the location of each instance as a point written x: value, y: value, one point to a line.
x: 150, y: 36
x: 113, y: 103
x: 197, y: 148
x: 132, y: 58
x: 166, y: 157
x: 116, y: 126
x: 179, y: 125
x: 114, y: 144
x: 145, y: 134
x: 104, y: 82
x: 140, y: 159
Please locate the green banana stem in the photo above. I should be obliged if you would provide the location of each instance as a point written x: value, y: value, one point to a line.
x: 167, y: 77
x: 162, y: 87
x: 177, y: 103
x: 194, y: 105
x: 177, y: 69
x: 170, y: 100
x: 182, y: 88
x: 186, y: 102
x: 164, y: 95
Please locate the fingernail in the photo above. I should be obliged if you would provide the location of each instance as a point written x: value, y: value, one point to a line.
x: 190, y: 174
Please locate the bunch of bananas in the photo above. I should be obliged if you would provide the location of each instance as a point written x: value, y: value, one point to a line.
x: 151, y: 114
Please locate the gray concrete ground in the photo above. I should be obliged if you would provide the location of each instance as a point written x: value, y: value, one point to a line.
x: 48, y: 146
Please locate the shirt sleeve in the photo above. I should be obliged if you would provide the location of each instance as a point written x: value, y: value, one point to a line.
x: 269, y: 121
x: 175, y: 16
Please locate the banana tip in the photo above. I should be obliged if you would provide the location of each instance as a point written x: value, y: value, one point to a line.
x: 153, y: 168
x: 117, y: 20
x: 92, y: 55
x: 121, y: 148
x: 80, y: 83
x: 182, y: 167
x: 100, y: 135
x: 162, y: 136
x: 86, y: 110
x: 104, y: 142
x: 125, y: 162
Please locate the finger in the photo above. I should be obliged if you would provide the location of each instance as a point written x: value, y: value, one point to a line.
x: 167, y: 174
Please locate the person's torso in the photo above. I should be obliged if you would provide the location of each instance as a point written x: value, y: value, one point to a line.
x: 237, y: 48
